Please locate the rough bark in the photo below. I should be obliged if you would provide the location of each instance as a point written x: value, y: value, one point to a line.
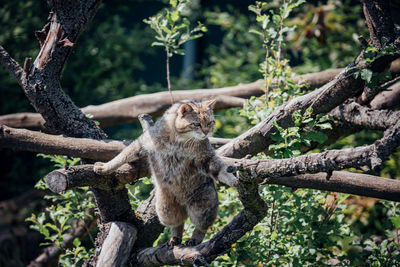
x: 354, y: 114
x: 12, y: 66
x: 43, y: 88
x: 99, y: 150
x: 118, y: 245
x: 389, y: 99
x: 83, y: 175
x: 379, y: 22
x: 344, y: 182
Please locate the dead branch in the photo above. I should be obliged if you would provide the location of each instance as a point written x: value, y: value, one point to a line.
x: 43, y: 89
x: 127, y: 110
x: 389, y: 99
x: 344, y: 182
x: 354, y: 114
x: 86, y: 148
x: 117, y: 245
x: 20, y: 139
x: 83, y: 175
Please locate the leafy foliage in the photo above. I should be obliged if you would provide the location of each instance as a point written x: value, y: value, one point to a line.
x: 173, y: 28
x: 66, y: 210
x: 306, y: 129
x: 279, y: 80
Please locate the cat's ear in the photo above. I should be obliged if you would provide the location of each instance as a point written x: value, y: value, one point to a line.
x: 210, y: 103
x: 184, y: 109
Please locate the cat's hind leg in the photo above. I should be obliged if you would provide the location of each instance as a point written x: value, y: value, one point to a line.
x: 202, y: 210
x: 170, y: 213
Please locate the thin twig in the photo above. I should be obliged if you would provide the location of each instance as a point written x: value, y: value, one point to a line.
x: 168, y: 76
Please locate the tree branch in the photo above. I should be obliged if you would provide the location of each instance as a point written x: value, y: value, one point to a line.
x: 343, y: 182
x: 357, y: 115
x: 127, y: 110
x: 372, y: 156
x: 379, y: 22
x: 83, y: 175
x: 389, y: 99
x: 12, y: 66
x: 255, y: 209
x: 86, y: 148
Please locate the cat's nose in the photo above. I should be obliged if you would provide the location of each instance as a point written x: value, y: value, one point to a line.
x: 205, y: 131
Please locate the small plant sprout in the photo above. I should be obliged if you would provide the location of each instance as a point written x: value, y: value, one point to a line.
x: 172, y: 30
x: 272, y: 31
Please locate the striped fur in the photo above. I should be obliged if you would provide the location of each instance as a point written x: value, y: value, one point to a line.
x: 182, y: 164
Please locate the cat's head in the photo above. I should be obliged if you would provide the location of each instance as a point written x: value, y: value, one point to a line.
x: 195, y: 119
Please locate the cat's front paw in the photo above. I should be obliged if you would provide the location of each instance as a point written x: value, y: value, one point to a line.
x: 101, y: 168
x: 233, y: 180
x: 174, y: 241
x: 228, y: 179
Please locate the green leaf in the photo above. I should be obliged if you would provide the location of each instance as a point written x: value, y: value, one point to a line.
x: 343, y: 198
x: 316, y: 137
x: 175, y: 16
x: 256, y: 32
x: 77, y: 242
x: 366, y: 75
x: 181, y: 52
x: 396, y: 221
x: 324, y: 126
x: 173, y: 3
x: 157, y: 44
x: 254, y: 9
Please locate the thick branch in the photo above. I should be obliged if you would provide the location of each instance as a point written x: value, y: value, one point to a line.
x: 322, y: 100
x: 43, y: 89
x: 127, y: 110
x: 83, y: 175
x: 372, y: 156
x: 86, y: 148
x: 118, y: 245
x: 379, y: 22
x: 389, y: 99
x: 357, y: 115
x: 344, y: 182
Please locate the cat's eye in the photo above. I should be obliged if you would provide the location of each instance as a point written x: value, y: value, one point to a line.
x: 196, y: 124
x: 211, y: 123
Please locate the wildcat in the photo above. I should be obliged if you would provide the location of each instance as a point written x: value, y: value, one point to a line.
x: 182, y: 164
